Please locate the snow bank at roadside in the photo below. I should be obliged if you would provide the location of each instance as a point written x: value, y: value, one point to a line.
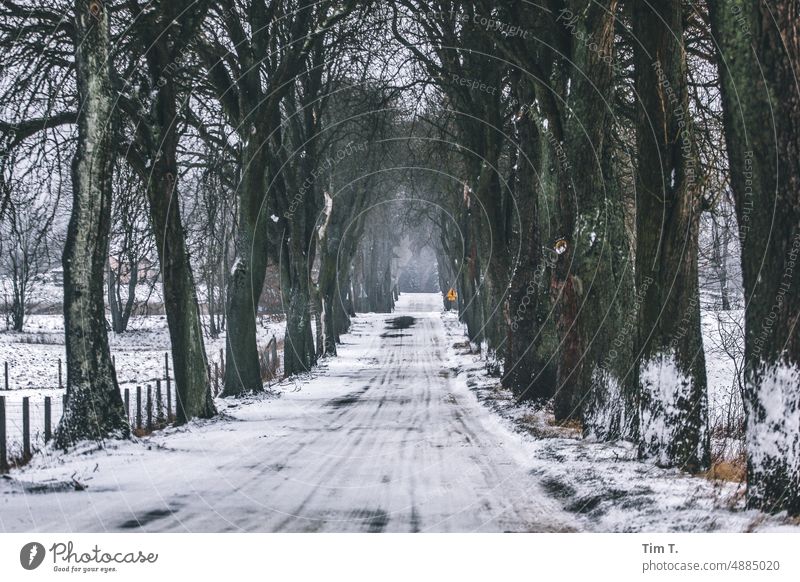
x: 603, y: 483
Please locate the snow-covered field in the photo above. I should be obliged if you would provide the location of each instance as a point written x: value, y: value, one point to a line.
x: 139, y: 354
x: 404, y: 431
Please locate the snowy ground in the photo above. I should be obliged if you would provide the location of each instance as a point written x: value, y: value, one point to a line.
x: 402, y: 432
x: 32, y: 357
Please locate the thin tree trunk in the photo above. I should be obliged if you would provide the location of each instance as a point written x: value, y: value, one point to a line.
x: 94, y: 408
x: 719, y: 258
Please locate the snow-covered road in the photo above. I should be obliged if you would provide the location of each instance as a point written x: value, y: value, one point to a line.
x: 383, y: 438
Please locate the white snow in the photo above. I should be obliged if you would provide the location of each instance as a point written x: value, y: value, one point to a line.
x: 667, y: 387
x: 777, y: 436
x: 604, y: 484
x: 608, y: 415
x: 32, y: 357
x: 380, y: 438
x: 403, y: 431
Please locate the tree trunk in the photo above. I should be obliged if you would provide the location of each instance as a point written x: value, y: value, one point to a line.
x: 591, y: 284
x: 120, y: 315
x: 672, y: 377
x: 719, y: 259
x: 319, y: 327
x: 242, y: 372
x: 760, y: 50
x: 94, y: 408
x: 189, y: 360
x: 299, y: 352
x: 523, y: 370
x: 157, y: 139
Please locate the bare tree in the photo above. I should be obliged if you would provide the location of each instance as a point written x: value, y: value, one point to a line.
x: 26, y: 233
x: 131, y: 247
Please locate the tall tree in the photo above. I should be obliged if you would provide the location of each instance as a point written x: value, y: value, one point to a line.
x: 160, y: 36
x: 94, y: 407
x: 587, y: 246
x: 270, y: 45
x: 672, y: 376
x: 759, y: 65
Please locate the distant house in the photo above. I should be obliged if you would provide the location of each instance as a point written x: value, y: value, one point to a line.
x: 147, y: 270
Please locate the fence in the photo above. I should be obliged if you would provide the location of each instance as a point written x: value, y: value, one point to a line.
x: 27, y: 422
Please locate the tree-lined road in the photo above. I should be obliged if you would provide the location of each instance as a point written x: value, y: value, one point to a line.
x: 384, y: 439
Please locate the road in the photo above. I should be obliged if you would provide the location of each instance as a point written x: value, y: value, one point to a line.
x: 382, y: 438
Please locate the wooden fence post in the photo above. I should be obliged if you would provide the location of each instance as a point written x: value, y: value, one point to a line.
x: 149, y: 408
x: 166, y: 372
x: 169, y: 404
x: 128, y: 404
x: 48, y: 431
x: 3, y: 450
x: 26, y: 428
x: 6, y: 373
x: 138, y: 407
x: 159, y: 404
x: 60, y: 381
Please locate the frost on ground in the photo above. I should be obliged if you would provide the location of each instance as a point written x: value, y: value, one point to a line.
x: 403, y: 431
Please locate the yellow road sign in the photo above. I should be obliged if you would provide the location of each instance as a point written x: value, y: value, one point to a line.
x: 451, y: 295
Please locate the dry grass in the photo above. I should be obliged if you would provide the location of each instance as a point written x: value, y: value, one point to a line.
x: 733, y: 471
x: 573, y: 424
x: 543, y: 425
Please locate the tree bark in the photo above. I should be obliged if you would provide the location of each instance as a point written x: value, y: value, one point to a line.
x: 759, y: 55
x: 94, y: 408
x: 299, y: 350
x: 591, y: 285
x: 672, y: 377
x: 158, y: 141
x: 523, y: 368
x: 246, y: 281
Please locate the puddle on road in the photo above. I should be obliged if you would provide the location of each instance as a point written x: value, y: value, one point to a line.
x: 401, y: 322
x: 397, y: 323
